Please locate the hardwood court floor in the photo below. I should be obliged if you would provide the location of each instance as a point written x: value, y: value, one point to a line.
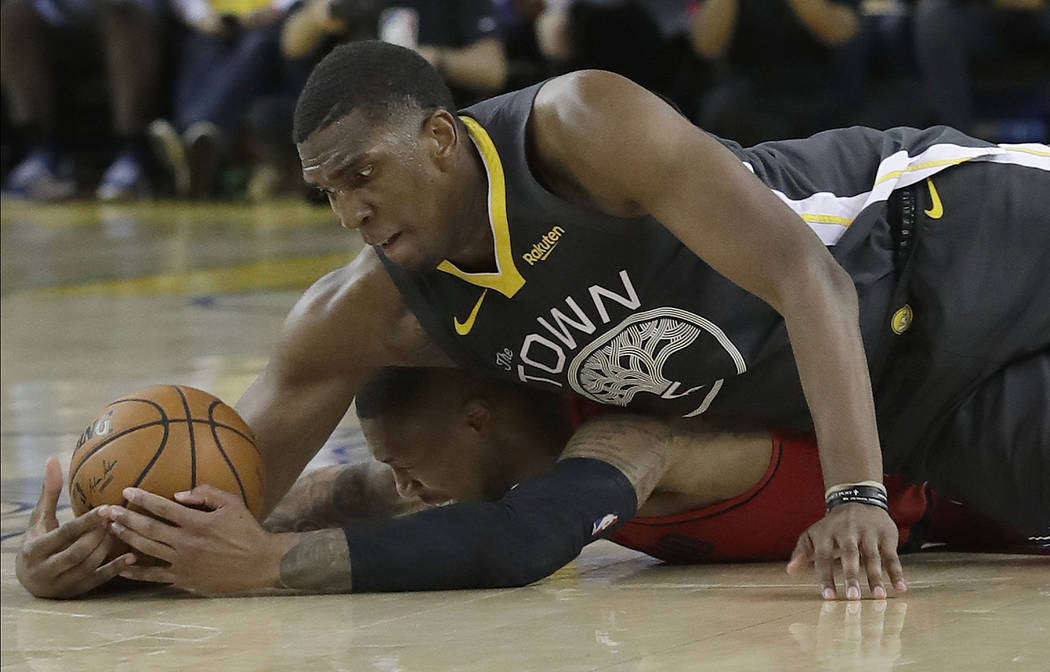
x: 97, y: 301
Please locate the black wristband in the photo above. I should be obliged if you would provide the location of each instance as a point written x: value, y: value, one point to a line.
x: 861, y: 494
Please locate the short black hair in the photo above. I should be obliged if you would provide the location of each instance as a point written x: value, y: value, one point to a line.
x: 391, y: 389
x: 400, y: 389
x: 371, y: 75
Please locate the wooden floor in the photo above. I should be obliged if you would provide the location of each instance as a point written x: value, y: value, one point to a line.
x: 100, y: 300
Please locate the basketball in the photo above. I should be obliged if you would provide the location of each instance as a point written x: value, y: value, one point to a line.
x: 164, y: 439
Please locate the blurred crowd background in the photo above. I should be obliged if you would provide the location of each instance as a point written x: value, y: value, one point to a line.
x: 132, y: 99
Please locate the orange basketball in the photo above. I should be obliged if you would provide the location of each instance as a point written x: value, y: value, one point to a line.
x: 164, y: 439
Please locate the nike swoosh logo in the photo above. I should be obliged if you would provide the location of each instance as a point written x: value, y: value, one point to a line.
x: 937, y: 210
x: 463, y: 328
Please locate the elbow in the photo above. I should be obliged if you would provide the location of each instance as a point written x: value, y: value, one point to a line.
x: 520, y: 567
x: 529, y: 557
x: 816, y: 284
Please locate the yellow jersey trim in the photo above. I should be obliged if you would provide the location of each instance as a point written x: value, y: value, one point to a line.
x: 826, y: 219
x: 921, y: 166
x: 506, y: 280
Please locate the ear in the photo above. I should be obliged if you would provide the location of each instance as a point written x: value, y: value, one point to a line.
x: 476, y: 414
x: 441, y: 132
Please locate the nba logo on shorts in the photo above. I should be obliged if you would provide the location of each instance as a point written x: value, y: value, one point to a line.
x: 607, y: 521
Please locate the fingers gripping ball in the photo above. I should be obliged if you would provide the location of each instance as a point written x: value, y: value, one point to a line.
x: 165, y: 439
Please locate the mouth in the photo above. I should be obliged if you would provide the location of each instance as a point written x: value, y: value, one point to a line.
x: 435, y: 499
x: 380, y: 242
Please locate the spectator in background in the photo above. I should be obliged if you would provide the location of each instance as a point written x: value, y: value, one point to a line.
x: 311, y: 29
x: 879, y: 83
x: 227, y: 59
x: 643, y: 40
x: 776, y: 64
x: 1006, y: 39
x: 460, y: 38
x: 38, y: 41
x: 314, y: 26
x: 526, y: 64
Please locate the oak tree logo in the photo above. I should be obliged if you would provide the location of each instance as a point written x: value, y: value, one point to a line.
x: 633, y: 358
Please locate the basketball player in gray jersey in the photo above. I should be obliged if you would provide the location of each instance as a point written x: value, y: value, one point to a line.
x: 886, y: 288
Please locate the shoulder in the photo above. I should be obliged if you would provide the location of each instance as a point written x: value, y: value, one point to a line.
x: 581, y: 87
x: 352, y: 317
x: 565, y: 105
x: 577, y: 99
x: 360, y: 287
x: 598, y: 132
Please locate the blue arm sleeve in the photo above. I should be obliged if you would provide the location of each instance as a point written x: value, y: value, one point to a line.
x: 534, y: 530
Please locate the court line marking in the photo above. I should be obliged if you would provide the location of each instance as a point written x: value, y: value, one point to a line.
x: 291, y: 272
x: 285, y: 213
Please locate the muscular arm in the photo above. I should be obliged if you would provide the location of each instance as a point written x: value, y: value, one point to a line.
x: 325, y: 353
x: 608, y: 467
x: 630, y: 154
x: 318, y: 505
x: 639, y: 447
x: 331, y: 497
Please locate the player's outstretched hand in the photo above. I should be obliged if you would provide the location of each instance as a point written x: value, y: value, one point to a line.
x: 68, y: 560
x: 863, y: 538
x: 215, y: 547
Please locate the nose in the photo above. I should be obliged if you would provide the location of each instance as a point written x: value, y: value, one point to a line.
x: 353, y: 213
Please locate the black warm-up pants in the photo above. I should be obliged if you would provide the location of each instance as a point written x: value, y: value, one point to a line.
x: 964, y: 398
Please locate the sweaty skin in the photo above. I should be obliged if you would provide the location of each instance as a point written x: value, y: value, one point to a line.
x: 325, y: 352
x: 414, y: 186
x: 606, y: 143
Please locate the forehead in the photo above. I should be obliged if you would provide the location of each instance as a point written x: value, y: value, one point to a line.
x: 352, y: 133
x: 352, y: 136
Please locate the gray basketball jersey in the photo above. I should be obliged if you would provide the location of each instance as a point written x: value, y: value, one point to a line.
x: 619, y: 311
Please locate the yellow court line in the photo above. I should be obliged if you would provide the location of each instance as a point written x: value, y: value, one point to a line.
x: 297, y: 271
x: 287, y: 213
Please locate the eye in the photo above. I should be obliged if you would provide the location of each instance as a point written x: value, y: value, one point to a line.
x: 366, y: 171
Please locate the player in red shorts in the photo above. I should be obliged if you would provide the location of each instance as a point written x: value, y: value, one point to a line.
x: 696, y: 494
x: 720, y: 497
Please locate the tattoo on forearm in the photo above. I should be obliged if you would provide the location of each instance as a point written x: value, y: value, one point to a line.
x: 358, y: 494
x: 320, y: 561
x: 307, y: 506
x: 334, y: 496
